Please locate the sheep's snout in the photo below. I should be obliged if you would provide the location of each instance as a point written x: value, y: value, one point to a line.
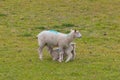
x: 79, y: 35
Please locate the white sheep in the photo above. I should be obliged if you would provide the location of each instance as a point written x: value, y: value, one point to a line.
x: 53, y: 39
x: 71, y: 48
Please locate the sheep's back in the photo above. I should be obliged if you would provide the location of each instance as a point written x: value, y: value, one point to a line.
x: 51, y: 37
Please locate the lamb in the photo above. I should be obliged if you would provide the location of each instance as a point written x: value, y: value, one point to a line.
x: 55, y: 52
x: 53, y: 39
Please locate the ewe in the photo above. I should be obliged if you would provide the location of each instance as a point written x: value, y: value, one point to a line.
x: 53, y: 39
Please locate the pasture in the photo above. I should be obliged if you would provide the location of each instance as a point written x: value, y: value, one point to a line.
x: 97, y: 52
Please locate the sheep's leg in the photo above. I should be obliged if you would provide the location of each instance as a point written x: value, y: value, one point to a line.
x: 73, y: 57
x: 74, y: 54
x: 50, y: 49
x: 61, y: 55
x: 40, y: 52
x: 69, y: 56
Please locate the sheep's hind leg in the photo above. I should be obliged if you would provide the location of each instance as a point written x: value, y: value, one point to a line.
x: 61, y: 55
x: 69, y: 56
x: 73, y: 54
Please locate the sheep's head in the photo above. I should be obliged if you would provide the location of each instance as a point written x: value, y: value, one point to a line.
x: 76, y: 33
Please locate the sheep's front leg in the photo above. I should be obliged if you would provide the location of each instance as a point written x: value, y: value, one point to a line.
x: 40, y: 52
x: 50, y: 49
x: 69, y: 56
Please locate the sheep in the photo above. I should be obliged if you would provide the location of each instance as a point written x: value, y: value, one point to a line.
x: 53, y: 39
x: 55, y: 52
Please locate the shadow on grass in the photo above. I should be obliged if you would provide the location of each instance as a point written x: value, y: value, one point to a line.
x: 40, y: 27
x: 3, y: 15
x: 64, y: 25
x: 25, y: 34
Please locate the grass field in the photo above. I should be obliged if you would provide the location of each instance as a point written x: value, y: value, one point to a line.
x: 98, y: 51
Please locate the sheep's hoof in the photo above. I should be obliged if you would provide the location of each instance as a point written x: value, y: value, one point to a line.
x: 40, y: 58
x: 60, y: 60
x: 54, y: 59
x: 67, y: 61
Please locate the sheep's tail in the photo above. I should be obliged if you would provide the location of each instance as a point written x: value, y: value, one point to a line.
x: 37, y: 35
x: 39, y: 39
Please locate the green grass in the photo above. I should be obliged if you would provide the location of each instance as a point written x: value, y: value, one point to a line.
x: 98, y: 51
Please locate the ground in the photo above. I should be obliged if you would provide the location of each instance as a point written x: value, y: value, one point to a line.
x: 98, y: 51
